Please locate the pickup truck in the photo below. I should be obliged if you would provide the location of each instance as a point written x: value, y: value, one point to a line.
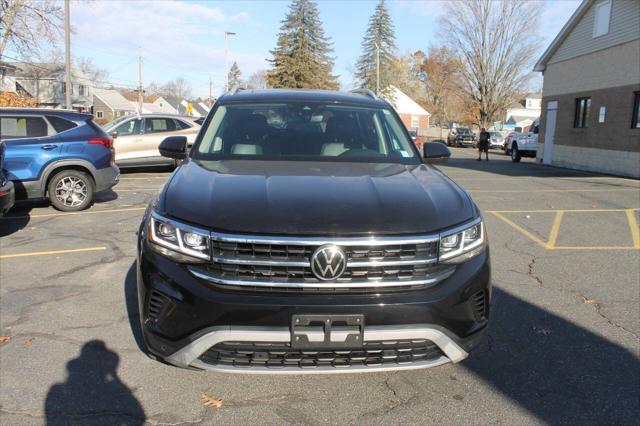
x: 525, y: 144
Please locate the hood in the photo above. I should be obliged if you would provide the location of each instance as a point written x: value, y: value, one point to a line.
x: 314, y: 198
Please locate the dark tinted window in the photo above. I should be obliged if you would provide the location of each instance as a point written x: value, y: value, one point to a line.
x: 23, y: 127
x: 581, y: 119
x: 181, y: 125
x: 635, y: 121
x: 60, y: 124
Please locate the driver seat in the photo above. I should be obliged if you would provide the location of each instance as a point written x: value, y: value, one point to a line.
x: 340, y: 136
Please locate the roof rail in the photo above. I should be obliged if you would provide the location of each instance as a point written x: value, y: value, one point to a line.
x: 364, y: 92
x: 234, y: 90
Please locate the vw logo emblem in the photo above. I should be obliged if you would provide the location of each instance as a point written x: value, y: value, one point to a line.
x: 328, y: 262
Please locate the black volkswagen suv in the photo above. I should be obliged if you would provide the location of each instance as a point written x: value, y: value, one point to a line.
x: 304, y: 232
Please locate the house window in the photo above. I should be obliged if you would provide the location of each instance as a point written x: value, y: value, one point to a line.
x: 635, y: 120
x: 99, y: 114
x: 602, y: 18
x: 82, y: 90
x: 415, y: 120
x: 582, y: 112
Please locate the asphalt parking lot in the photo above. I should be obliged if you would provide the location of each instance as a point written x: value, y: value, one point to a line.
x: 563, y: 344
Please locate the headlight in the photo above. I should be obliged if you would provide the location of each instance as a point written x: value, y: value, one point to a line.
x: 462, y: 243
x: 179, y: 237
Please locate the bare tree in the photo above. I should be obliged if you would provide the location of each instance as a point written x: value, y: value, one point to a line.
x: 495, y: 57
x: 178, y: 88
x: 258, y: 80
x: 25, y: 25
x: 439, y: 71
x: 97, y: 75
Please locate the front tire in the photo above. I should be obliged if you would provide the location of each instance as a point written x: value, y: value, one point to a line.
x: 515, y: 154
x: 71, y: 191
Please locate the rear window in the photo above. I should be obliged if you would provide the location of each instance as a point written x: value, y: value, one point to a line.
x: 23, y: 127
x: 60, y: 124
x: 305, y: 131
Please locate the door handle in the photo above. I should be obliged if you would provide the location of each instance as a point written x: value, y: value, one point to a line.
x: 48, y: 147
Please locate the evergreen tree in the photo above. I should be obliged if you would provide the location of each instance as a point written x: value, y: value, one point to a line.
x: 380, y: 32
x: 234, y: 76
x: 302, y: 58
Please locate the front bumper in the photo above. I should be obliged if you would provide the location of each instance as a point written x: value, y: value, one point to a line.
x: 182, y: 316
x: 466, y: 142
x: 107, y: 178
x: 190, y: 356
x: 7, y: 197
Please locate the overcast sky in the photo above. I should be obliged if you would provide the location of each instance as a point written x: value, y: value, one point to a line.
x: 185, y: 39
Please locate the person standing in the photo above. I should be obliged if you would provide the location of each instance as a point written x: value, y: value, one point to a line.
x: 483, y: 144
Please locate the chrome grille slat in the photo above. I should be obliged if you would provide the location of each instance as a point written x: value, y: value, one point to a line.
x: 284, y: 262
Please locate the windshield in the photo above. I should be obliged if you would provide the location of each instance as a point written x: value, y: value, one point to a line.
x: 305, y: 131
x: 496, y: 135
x: 463, y: 131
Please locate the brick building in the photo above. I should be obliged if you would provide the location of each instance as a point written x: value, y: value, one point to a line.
x: 590, y: 116
x: 412, y: 114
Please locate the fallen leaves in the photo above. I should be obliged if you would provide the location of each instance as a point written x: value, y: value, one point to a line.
x: 4, y: 339
x: 588, y: 301
x: 26, y: 342
x: 211, y: 401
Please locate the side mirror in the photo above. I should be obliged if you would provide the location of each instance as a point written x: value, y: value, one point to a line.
x: 174, y: 147
x: 113, y: 134
x: 435, y: 152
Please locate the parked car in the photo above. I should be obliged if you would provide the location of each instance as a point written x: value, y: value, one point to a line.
x: 136, y: 138
x: 7, y: 192
x: 62, y: 155
x: 461, y: 136
x: 525, y: 144
x: 199, y: 120
x: 283, y: 243
x: 496, y: 140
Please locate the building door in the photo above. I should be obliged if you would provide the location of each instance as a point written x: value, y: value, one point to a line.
x: 549, y: 132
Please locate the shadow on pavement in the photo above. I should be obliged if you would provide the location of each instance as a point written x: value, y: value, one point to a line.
x: 20, y: 215
x: 500, y: 164
x: 556, y: 370
x: 93, y: 393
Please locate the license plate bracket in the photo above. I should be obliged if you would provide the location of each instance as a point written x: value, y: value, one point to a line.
x: 327, y: 331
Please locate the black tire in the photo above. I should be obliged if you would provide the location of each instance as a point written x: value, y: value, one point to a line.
x: 515, y: 154
x: 70, y: 190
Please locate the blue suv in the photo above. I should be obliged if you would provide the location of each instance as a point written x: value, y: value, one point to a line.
x: 62, y: 155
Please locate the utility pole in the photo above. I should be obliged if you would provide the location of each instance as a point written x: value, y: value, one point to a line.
x: 377, y: 69
x: 140, y: 97
x: 226, y: 54
x: 67, y: 56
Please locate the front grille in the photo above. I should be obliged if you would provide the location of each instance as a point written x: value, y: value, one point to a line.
x: 284, y: 263
x: 296, y: 252
x: 279, y: 355
x: 403, y: 277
